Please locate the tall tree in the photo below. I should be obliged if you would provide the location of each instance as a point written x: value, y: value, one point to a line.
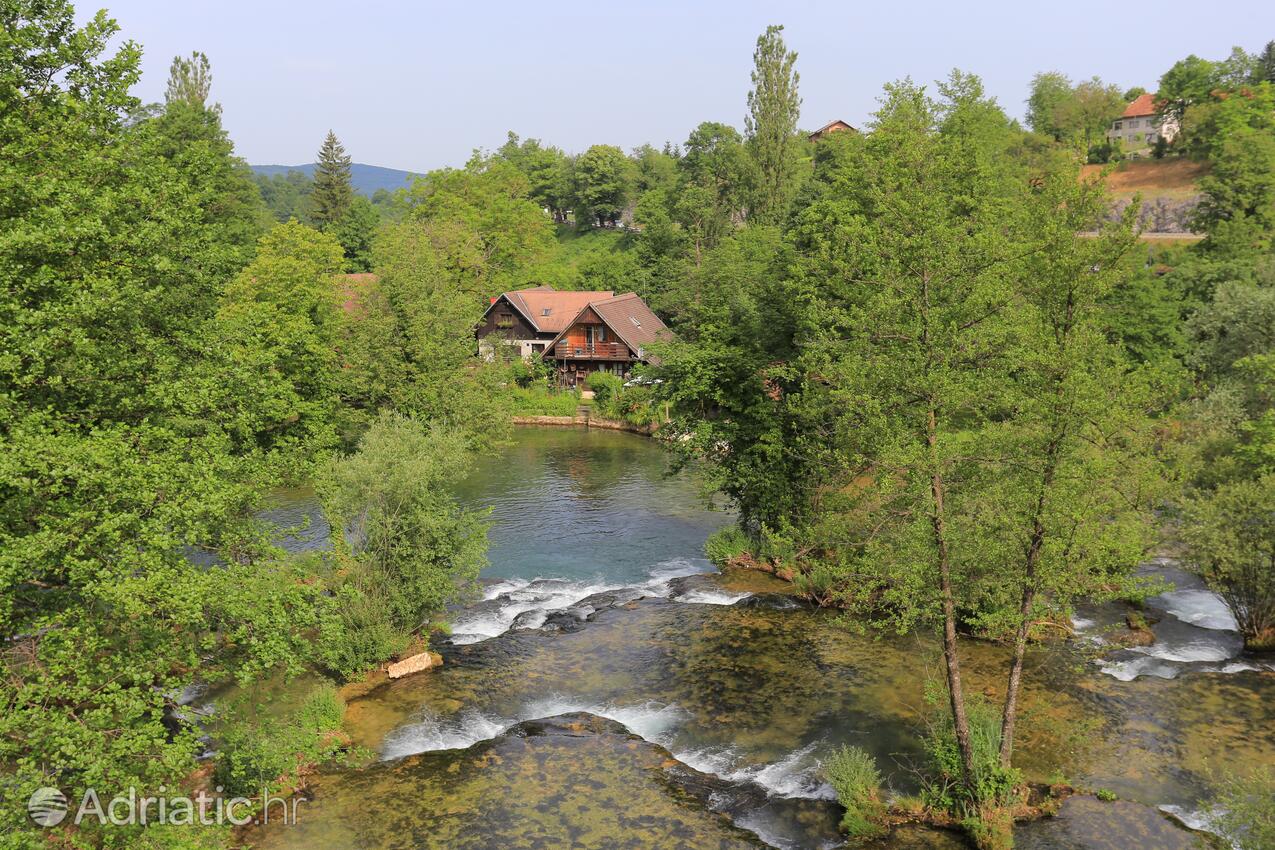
x: 1089, y: 111
x: 117, y: 454
x: 603, y: 176
x: 1265, y: 70
x: 1049, y: 91
x: 333, y: 195
x: 190, y: 81
x: 774, y: 107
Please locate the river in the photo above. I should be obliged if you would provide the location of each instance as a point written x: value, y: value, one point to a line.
x: 691, y: 709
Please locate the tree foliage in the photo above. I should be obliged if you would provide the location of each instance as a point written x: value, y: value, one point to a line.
x: 333, y: 194
x: 774, y: 107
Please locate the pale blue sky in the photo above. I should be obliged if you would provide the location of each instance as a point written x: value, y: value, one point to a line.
x: 419, y: 85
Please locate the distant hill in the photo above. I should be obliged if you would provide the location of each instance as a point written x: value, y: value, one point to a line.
x: 366, y: 179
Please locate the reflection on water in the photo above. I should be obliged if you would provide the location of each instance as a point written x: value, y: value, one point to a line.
x: 733, y: 703
x: 587, y: 505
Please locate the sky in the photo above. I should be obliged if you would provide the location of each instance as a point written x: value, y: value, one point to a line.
x: 421, y: 85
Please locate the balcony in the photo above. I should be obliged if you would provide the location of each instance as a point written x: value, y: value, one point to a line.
x: 595, y: 351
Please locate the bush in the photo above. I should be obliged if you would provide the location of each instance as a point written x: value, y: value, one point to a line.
x: 1105, y: 152
x: 1246, y: 806
x: 257, y: 753
x: 993, y: 786
x: 821, y: 582
x: 725, y: 545
x: 538, y: 400
x: 528, y: 373
x: 853, y: 773
x: 606, y: 387
x: 406, y: 548
x: 1230, y: 537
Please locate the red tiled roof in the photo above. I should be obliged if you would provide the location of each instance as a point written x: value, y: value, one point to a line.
x: 831, y: 127
x: 628, y: 317
x: 562, y: 306
x: 1143, y: 104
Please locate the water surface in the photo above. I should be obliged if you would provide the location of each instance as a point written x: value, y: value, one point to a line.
x: 699, y: 706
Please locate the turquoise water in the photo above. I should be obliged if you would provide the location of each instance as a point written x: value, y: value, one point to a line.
x: 588, y: 506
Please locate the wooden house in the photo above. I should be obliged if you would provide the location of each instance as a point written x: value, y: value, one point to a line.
x: 608, y: 334
x: 837, y: 126
x: 525, y: 321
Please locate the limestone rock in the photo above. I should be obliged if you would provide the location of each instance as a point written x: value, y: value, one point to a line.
x: 414, y: 664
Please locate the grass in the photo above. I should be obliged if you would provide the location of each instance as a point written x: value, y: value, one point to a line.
x: 852, y: 771
x: 1174, y: 178
x: 536, y: 400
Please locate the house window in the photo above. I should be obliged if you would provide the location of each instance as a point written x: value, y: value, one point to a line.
x: 1118, y: 125
x: 545, y: 311
x: 602, y: 333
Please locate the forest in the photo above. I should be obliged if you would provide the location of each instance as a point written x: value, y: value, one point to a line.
x: 943, y: 384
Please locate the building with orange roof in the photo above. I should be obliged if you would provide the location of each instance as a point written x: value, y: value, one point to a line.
x: 1141, y: 125
x: 525, y: 321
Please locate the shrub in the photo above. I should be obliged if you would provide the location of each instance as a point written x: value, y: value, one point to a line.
x: 1246, y: 806
x: 537, y: 400
x: 993, y: 785
x: 1230, y: 537
x: 407, y: 549
x: 853, y: 773
x: 726, y: 544
x: 606, y: 387
x: 821, y: 582
x: 257, y: 753
x: 527, y: 373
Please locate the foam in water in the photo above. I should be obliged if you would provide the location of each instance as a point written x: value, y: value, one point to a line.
x: 432, y: 733
x: 1201, y: 820
x: 710, y: 597
x: 650, y: 720
x: 795, y: 775
x: 1199, y: 607
x: 506, y: 602
x: 516, y: 597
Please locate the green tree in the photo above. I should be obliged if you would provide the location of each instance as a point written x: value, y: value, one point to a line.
x: 120, y: 477
x: 286, y: 195
x: 434, y: 315
x: 190, y: 81
x: 1265, y: 70
x: 278, y: 321
x: 1230, y: 535
x: 333, y: 194
x: 1050, y: 92
x: 546, y: 170
x: 408, y: 549
x: 1190, y: 80
x: 1090, y: 110
x: 355, y: 231
x: 481, y: 223
x: 1246, y: 809
x: 603, y: 177
x: 774, y: 107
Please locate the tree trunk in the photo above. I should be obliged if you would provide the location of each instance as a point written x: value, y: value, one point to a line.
x: 1010, y: 713
x: 956, y: 696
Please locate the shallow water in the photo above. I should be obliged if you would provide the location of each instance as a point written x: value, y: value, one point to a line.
x: 729, y: 692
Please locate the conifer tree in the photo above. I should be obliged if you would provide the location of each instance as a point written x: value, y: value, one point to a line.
x: 1266, y: 63
x: 333, y: 195
x: 773, y: 109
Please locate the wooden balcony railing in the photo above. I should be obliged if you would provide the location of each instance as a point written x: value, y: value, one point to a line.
x: 596, y: 351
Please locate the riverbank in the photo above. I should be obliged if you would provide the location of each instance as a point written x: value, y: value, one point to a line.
x: 609, y: 683
x: 587, y: 422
